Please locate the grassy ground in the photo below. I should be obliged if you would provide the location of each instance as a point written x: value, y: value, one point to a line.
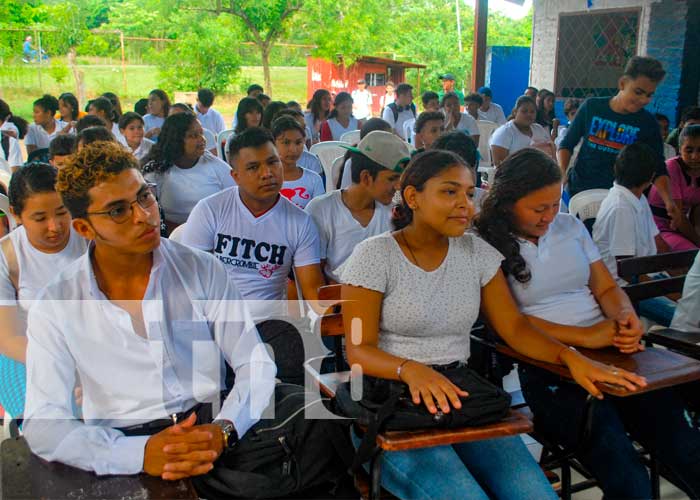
x: 20, y: 85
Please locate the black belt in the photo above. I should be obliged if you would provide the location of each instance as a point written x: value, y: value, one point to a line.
x: 659, y: 212
x: 203, y: 411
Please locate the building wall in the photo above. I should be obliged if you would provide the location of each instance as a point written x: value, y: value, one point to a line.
x: 668, y: 32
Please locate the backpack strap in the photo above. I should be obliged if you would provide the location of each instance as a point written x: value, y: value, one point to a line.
x: 8, y: 250
x: 395, y: 110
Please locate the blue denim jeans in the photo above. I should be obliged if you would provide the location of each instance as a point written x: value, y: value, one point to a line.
x: 480, y: 470
x: 655, y: 419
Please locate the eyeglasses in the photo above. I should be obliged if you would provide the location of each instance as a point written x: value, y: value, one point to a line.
x: 122, y: 212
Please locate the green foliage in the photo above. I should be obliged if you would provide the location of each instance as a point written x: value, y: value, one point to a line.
x: 205, y: 56
x: 58, y: 71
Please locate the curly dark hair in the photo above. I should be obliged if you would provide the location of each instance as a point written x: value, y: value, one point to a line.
x: 93, y: 164
x: 520, y: 174
x: 171, y: 143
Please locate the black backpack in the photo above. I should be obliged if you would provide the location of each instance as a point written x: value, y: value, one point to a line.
x: 395, y: 110
x: 285, y: 455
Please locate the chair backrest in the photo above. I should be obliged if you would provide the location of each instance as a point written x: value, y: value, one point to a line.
x: 5, y: 208
x: 352, y: 137
x: 222, y: 142
x: 585, y: 205
x: 408, y: 131
x: 176, y: 234
x: 5, y: 177
x: 335, y: 170
x: 486, y: 129
x: 327, y: 152
x: 630, y: 269
x: 4, y: 166
x: 212, y: 143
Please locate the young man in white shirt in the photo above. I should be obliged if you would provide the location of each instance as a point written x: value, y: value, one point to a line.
x: 490, y: 111
x: 624, y: 226
x: 346, y: 217
x: 147, y: 324
x: 361, y: 101
x: 210, y: 118
x: 261, y: 237
x: 401, y: 110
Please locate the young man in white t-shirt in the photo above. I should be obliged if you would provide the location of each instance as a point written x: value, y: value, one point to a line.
x: 361, y: 101
x: 210, y: 118
x: 260, y: 237
x: 401, y: 110
x: 490, y: 111
x: 346, y: 217
x: 624, y: 226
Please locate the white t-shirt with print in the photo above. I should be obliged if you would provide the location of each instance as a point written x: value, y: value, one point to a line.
x: 302, y: 190
x: 36, y: 269
x: 560, y: 265
x: 258, y: 252
x: 39, y: 137
x: 509, y: 137
x: 339, y: 232
x: 425, y: 316
x: 179, y: 189
x: 624, y: 226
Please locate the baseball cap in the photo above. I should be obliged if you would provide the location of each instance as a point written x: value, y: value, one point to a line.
x: 447, y: 76
x: 383, y: 148
x: 485, y: 91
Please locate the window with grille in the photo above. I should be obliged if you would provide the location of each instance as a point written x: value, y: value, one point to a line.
x: 375, y: 79
x: 592, y: 50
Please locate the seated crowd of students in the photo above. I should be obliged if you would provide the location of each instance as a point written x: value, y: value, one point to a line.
x: 93, y: 295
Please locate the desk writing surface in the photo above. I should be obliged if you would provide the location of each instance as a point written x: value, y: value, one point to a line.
x: 661, y: 367
x: 686, y: 342
x: 26, y: 476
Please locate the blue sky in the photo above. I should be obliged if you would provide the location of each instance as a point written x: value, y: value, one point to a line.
x: 509, y: 9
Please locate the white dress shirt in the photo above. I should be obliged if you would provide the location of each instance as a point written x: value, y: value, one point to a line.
x: 194, y: 318
x: 211, y: 120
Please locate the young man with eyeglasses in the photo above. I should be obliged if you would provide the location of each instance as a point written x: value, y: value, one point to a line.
x: 148, y: 325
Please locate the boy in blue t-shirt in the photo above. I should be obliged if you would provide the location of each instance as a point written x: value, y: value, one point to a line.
x: 606, y: 125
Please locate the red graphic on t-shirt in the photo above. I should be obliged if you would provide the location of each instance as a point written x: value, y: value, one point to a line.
x: 266, y: 270
x: 299, y: 191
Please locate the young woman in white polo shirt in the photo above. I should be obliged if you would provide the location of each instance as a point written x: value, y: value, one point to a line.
x: 340, y: 120
x: 45, y: 126
x: 561, y: 283
x: 30, y: 256
x: 300, y: 185
x: 456, y: 120
x: 520, y: 132
x: 417, y: 291
x: 182, y: 169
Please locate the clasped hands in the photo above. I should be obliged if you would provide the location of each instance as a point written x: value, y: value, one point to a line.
x: 183, y: 450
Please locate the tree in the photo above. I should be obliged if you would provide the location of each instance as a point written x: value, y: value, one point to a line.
x: 204, y: 56
x: 266, y: 21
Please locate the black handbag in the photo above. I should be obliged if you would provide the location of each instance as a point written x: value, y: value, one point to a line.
x: 387, y: 405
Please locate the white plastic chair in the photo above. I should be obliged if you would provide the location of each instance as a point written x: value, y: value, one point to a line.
x: 212, y: 143
x: 585, y: 205
x: 352, y: 137
x: 327, y: 152
x: 5, y: 166
x: 5, y: 208
x: 176, y: 234
x: 222, y: 142
x: 335, y: 170
x: 408, y: 131
x: 5, y: 176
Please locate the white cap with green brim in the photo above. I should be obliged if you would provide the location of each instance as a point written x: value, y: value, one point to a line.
x: 384, y: 148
